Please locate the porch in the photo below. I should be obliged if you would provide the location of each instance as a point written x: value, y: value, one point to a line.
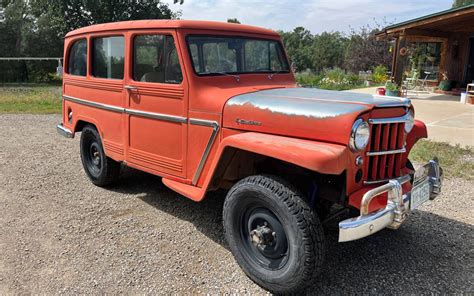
x: 434, y: 48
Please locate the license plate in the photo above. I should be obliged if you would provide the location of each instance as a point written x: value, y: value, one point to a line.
x: 419, y: 194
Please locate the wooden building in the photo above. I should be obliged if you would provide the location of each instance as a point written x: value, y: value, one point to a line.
x: 438, y: 45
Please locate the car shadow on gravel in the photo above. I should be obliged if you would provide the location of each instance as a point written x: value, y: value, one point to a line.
x: 428, y: 254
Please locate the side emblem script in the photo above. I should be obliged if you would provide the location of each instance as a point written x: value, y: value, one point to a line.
x: 247, y: 122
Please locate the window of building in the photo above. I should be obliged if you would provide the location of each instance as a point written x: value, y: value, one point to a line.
x: 77, y: 62
x: 423, y: 60
x: 108, y: 57
x: 155, y: 59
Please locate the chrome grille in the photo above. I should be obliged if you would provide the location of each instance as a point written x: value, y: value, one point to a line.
x: 385, y: 149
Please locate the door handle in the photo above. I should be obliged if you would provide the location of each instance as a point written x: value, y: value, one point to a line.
x: 130, y: 88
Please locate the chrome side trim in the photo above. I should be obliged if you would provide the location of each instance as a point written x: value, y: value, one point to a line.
x: 376, y: 153
x: 94, y: 104
x: 65, y: 132
x: 158, y: 116
x: 404, y: 118
x: 215, y: 129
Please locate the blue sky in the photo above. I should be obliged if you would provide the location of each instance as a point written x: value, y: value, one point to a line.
x: 315, y: 15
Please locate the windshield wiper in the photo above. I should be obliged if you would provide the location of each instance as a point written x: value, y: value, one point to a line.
x: 270, y: 76
x: 236, y: 77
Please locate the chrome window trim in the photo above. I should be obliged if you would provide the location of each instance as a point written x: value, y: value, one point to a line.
x: 400, y: 119
x: 377, y: 153
x: 202, y: 162
x: 153, y: 115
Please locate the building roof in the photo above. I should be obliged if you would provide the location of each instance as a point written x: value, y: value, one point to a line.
x: 450, y: 20
x: 172, y: 24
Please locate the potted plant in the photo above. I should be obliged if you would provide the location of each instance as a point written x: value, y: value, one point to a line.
x: 391, y: 89
x: 445, y: 84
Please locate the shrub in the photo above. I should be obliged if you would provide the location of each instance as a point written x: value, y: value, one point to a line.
x: 332, y: 79
x: 380, y: 74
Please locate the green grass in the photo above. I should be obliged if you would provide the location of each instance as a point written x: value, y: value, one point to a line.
x: 455, y: 161
x: 31, y: 100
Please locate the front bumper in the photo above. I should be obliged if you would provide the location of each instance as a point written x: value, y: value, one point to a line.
x: 398, y: 204
x: 65, y: 132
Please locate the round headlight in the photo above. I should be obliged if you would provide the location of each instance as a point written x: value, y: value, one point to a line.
x: 359, y: 135
x: 410, y: 121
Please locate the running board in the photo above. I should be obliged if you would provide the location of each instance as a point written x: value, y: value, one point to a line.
x: 190, y: 191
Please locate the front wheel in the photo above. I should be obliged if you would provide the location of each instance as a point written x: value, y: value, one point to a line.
x: 273, y: 234
x: 101, y: 170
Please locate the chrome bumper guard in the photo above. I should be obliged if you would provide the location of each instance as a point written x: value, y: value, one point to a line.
x: 64, y: 131
x: 398, y: 204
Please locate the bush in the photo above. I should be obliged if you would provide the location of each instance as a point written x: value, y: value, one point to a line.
x: 332, y: 79
x: 380, y: 74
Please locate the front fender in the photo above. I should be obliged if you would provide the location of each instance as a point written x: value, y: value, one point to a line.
x: 324, y: 158
x: 418, y: 132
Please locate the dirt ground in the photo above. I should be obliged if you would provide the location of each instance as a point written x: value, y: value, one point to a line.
x: 61, y: 234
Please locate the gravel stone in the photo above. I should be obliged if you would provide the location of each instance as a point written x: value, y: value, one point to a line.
x: 59, y: 234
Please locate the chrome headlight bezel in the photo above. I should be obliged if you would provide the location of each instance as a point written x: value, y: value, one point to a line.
x: 410, y: 121
x: 360, y: 135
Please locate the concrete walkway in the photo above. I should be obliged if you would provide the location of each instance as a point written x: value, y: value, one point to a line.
x: 446, y: 118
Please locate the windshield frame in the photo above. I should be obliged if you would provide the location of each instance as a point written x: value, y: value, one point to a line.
x: 277, y: 41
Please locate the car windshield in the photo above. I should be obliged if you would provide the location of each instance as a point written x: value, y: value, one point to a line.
x: 218, y: 55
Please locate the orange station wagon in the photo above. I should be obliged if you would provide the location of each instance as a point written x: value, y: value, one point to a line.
x: 210, y: 106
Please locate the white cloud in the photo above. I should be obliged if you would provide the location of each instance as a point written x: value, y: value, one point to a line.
x: 315, y: 15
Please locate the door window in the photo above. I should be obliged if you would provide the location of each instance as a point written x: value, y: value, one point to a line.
x: 155, y: 59
x: 108, y: 57
x: 77, y: 62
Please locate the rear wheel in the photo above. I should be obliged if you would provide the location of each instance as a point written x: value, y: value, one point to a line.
x: 100, y: 169
x: 273, y: 234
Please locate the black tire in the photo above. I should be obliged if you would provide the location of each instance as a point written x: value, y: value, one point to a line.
x: 101, y: 170
x: 285, y: 254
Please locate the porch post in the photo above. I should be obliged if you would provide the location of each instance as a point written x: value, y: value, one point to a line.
x: 400, y: 60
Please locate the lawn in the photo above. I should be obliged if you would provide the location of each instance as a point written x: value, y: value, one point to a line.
x: 456, y: 161
x: 32, y: 100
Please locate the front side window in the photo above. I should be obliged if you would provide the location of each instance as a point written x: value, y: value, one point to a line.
x: 108, y: 57
x: 77, y: 61
x: 155, y: 59
x: 213, y: 55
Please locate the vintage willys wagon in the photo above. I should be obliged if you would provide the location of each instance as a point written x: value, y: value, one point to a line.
x: 210, y: 106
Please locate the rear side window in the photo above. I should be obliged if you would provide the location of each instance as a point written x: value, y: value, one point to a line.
x: 108, y: 57
x: 77, y: 61
x: 155, y: 59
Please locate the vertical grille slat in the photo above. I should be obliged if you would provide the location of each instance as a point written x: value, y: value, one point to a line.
x: 385, y: 136
x: 376, y: 147
x: 384, y: 147
x: 393, y: 146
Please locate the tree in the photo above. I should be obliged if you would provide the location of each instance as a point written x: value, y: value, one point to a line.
x: 37, y: 27
x: 327, y: 51
x: 461, y: 3
x: 233, y: 20
x: 364, y: 52
x: 298, y: 46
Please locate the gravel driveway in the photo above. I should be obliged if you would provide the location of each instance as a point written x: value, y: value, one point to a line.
x: 61, y: 234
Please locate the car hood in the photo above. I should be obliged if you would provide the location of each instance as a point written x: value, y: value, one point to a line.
x: 303, y: 112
